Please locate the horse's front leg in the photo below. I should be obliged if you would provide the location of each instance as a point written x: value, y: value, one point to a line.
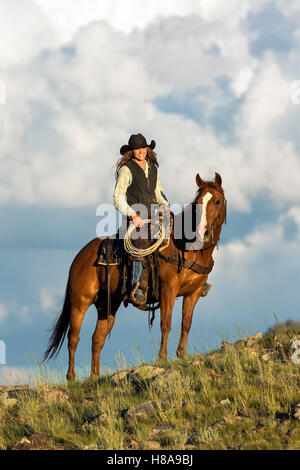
x: 189, y: 302
x: 167, y: 299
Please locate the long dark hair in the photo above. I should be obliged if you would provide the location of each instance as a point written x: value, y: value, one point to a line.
x: 151, y: 158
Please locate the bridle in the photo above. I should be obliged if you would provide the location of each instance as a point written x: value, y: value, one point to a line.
x: 179, y: 258
x: 216, y: 219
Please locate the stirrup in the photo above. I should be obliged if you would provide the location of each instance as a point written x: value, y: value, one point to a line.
x: 206, y: 289
x: 135, y: 300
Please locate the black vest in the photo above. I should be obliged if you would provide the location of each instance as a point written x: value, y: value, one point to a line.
x: 141, y: 190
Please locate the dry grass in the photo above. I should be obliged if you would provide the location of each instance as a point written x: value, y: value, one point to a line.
x: 191, y: 412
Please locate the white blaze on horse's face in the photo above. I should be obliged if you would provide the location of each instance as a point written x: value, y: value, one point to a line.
x: 203, y: 222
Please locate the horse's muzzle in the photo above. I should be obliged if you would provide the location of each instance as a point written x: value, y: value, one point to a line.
x: 206, y: 237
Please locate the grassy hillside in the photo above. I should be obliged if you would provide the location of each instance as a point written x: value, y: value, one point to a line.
x: 243, y: 396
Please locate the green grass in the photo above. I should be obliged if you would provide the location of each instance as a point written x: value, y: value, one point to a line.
x: 261, y: 393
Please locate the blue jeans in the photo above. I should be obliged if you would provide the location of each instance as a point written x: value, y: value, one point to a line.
x: 137, y: 268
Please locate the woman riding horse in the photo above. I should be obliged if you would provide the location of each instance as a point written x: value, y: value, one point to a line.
x: 183, y: 269
x: 138, y: 183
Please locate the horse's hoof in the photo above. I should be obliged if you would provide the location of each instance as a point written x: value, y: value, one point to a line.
x: 180, y: 354
x: 163, y: 357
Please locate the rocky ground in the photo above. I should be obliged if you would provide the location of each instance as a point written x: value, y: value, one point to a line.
x: 246, y: 395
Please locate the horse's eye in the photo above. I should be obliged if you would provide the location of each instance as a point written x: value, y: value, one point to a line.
x: 217, y: 202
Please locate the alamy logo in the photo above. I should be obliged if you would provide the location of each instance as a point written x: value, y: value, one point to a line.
x: 296, y: 355
x: 2, y: 353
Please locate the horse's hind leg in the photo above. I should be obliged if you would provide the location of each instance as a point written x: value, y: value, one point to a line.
x: 77, y: 316
x: 103, y: 328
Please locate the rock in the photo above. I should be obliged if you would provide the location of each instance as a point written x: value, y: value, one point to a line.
x: 144, y: 410
x: 136, y: 374
x: 151, y: 445
x: 240, y: 344
x: 121, y: 376
x: 55, y: 395
x: 254, y: 339
x: 35, y: 441
x: 296, y: 410
x: 9, y: 395
x: 134, y: 444
x: 161, y: 429
x: 225, y: 402
x: 193, y: 440
x: 227, y: 347
x: 164, y: 380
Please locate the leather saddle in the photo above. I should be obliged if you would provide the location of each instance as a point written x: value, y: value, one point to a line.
x: 112, y: 252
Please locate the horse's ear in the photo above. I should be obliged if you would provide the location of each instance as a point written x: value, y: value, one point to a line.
x: 199, y: 181
x: 218, y: 179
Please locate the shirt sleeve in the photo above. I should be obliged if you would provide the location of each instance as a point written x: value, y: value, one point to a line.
x: 123, y: 181
x: 159, y: 193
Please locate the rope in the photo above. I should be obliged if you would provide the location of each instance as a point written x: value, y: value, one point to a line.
x: 139, y: 252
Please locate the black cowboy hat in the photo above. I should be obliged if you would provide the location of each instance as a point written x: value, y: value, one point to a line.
x: 136, y: 141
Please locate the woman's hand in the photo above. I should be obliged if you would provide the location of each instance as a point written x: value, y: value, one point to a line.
x: 138, y: 222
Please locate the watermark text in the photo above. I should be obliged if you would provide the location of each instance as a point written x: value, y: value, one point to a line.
x: 2, y: 353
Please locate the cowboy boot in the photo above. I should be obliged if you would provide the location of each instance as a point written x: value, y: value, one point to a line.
x: 137, y: 295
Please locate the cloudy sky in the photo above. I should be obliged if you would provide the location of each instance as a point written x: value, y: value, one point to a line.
x: 214, y: 82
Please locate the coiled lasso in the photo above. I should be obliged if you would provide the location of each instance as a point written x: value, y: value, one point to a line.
x: 139, y: 252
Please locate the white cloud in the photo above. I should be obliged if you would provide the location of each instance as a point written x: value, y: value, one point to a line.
x: 25, y: 31
x: 126, y: 15
x: 69, y: 111
x: 14, y: 310
x: 290, y: 8
x: 257, y: 275
x: 294, y: 213
x: 50, y: 297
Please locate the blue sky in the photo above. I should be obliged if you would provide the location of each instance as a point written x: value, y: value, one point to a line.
x: 211, y: 82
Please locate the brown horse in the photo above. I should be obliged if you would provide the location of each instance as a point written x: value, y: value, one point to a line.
x: 87, y: 283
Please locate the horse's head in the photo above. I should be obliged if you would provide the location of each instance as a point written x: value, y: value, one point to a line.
x: 211, y: 195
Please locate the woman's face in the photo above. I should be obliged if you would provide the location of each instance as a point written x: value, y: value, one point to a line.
x: 140, y: 154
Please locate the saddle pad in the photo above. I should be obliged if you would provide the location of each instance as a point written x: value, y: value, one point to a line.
x: 110, y: 252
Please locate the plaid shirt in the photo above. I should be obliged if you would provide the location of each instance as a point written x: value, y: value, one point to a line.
x: 124, y: 180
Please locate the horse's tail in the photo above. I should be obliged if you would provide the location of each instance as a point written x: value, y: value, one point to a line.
x: 59, y: 328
